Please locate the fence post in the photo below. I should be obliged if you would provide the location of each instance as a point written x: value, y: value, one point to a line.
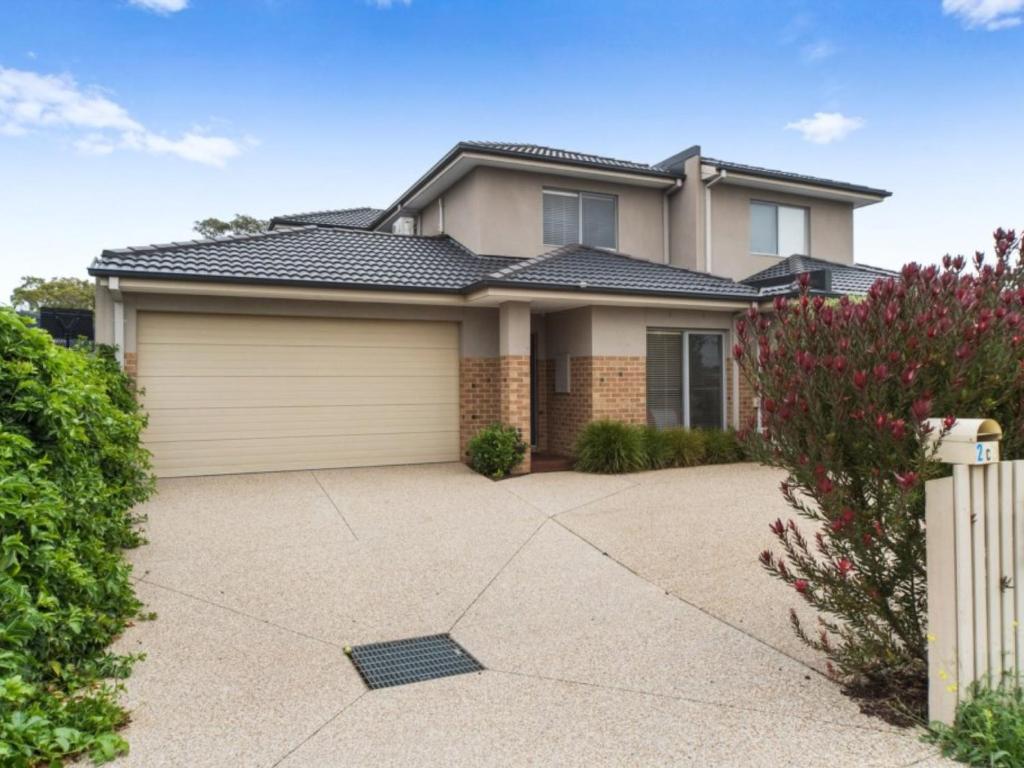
x: 943, y: 606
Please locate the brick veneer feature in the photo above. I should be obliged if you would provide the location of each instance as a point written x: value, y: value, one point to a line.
x: 601, y: 388
x: 131, y: 365
x: 514, y: 399
x: 619, y: 386
x: 478, y: 397
x: 748, y: 403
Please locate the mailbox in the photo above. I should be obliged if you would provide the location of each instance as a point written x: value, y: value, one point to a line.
x: 969, y: 441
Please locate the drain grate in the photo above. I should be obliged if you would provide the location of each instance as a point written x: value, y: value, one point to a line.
x: 399, y: 662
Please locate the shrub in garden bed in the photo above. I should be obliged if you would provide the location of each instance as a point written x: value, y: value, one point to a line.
x: 721, y: 446
x: 496, y: 450
x: 988, y: 729
x: 611, y: 447
x: 845, y: 387
x: 71, y: 470
x: 688, y: 446
x: 659, y: 449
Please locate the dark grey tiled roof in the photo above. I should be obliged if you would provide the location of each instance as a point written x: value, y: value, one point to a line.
x: 580, y: 267
x: 818, y: 181
x: 310, y: 255
x: 353, y: 218
x: 563, y: 155
x: 827, y: 276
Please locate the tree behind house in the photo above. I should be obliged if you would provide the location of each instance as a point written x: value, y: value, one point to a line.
x: 35, y: 293
x: 242, y: 224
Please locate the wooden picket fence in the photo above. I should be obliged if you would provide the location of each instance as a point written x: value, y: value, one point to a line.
x: 975, y: 550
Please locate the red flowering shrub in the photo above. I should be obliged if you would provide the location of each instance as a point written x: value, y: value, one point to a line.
x: 845, y: 386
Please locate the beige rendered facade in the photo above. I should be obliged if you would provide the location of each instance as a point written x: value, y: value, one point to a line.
x: 284, y: 368
x: 256, y: 379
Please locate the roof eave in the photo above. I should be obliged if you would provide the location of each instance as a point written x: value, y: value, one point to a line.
x: 471, y: 150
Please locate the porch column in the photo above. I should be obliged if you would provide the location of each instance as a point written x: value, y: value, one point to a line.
x: 514, y: 367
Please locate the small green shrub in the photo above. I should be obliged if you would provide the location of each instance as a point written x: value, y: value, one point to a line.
x: 496, y: 450
x: 687, y: 446
x: 71, y: 470
x: 721, y: 446
x: 988, y: 729
x: 658, y: 448
x: 610, y: 447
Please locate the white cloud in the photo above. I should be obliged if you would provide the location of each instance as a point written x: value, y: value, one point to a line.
x: 988, y: 14
x: 817, y: 51
x: 826, y: 127
x: 32, y: 101
x: 385, y: 4
x: 161, y: 6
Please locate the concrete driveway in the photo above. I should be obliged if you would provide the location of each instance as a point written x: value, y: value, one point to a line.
x: 621, y: 621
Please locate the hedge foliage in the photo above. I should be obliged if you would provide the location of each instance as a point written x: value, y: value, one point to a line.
x: 846, y: 388
x: 612, y: 447
x: 496, y: 450
x: 71, y: 470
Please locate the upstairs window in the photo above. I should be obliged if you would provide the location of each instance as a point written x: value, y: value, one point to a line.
x: 778, y: 230
x: 580, y: 217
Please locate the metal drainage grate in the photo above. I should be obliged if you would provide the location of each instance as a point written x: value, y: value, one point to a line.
x: 414, y: 660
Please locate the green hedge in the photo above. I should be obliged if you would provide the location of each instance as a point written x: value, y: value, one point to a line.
x: 71, y: 470
x: 612, y: 447
x: 496, y: 450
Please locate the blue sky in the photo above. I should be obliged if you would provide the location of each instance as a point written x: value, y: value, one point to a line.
x: 123, y: 121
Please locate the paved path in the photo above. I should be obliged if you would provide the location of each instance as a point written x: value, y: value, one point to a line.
x: 623, y: 621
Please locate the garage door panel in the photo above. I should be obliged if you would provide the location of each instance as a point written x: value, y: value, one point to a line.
x: 298, y: 391
x: 182, y: 359
x: 232, y: 393
x: 229, y: 456
x: 201, y: 424
x: 253, y: 330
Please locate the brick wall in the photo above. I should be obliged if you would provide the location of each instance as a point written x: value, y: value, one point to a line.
x: 131, y: 364
x: 514, y: 399
x: 619, y: 389
x: 569, y: 412
x: 545, y: 370
x: 748, y: 403
x: 478, y: 397
x: 602, y: 388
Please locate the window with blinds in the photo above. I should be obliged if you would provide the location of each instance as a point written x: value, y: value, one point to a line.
x: 665, y: 378
x: 685, y: 378
x: 580, y: 217
x: 561, y: 217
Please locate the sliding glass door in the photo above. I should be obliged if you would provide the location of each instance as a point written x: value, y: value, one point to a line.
x: 685, y: 378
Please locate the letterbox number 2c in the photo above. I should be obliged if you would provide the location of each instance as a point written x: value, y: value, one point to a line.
x: 982, y: 453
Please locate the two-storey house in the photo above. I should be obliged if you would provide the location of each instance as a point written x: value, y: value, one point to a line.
x: 516, y: 283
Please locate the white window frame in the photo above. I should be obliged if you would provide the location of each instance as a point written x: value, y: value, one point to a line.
x: 777, y: 206
x: 580, y: 195
x: 685, y: 341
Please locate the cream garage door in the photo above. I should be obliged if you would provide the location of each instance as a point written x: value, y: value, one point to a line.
x: 246, y: 393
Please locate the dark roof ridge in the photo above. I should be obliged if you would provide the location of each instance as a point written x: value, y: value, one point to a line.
x: 328, y: 210
x: 202, y: 241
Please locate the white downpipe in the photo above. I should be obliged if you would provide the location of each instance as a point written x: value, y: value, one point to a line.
x: 666, y: 243
x: 119, y: 330
x: 707, y: 218
x: 440, y: 214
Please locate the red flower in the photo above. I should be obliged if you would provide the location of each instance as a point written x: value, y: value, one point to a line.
x: 899, y: 429
x: 948, y: 422
x: 921, y: 408
x: 860, y: 379
x: 800, y: 585
x: 881, y: 371
x: 844, y: 566
x: 907, y: 480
